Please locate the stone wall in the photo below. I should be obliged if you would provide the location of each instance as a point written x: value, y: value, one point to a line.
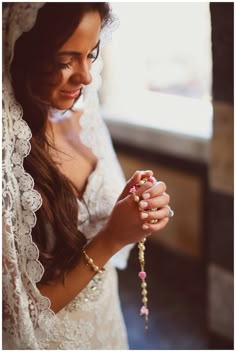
x: 220, y: 225
x: 202, y: 191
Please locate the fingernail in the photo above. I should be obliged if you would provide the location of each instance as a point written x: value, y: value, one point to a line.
x: 144, y: 215
x: 146, y: 195
x: 145, y: 227
x: 143, y: 204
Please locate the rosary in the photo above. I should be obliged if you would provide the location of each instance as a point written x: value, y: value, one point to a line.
x: 141, y: 249
x: 144, y: 311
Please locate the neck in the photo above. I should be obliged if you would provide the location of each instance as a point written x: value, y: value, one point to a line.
x: 64, y: 127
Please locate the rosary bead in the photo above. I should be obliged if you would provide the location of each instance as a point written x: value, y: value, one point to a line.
x: 143, y: 311
x: 141, y: 251
x: 142, y: 275
x: 141, y: 182
x: 96, y: 268
x: 144, y: 300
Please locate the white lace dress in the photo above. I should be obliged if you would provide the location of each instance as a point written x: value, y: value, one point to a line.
x: 93, y: 320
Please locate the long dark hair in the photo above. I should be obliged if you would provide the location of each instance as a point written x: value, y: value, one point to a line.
x: 56, y: 231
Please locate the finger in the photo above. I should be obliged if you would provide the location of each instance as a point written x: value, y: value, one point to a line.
x: 156, y: 189
x: 156, y: 202
x: 137, y: 176
x: 152, y: 215
x: 155, y: 227
x: 142, y: 189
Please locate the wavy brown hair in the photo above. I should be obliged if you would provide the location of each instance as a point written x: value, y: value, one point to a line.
x: 56, y: 231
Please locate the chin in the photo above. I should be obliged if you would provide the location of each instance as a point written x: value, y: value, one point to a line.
x: 62, y: 105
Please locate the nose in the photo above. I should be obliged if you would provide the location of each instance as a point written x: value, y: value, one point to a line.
x: 82, y: 74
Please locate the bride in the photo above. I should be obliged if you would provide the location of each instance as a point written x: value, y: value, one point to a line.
x: 69, y: 219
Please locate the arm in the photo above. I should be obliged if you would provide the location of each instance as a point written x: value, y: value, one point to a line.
x: 60, y: 294
x: 124, y: 227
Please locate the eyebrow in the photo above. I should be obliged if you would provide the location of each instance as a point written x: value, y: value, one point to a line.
x: 75, y: 53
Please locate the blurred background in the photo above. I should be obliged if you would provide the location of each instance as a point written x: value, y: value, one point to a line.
x: 167, y: 99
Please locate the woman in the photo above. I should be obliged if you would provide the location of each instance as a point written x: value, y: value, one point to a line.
x: 59, y: 282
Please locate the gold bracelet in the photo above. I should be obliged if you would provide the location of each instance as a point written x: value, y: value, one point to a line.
x: 89, y: 261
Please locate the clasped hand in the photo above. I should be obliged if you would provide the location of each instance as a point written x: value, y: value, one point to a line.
x: 130, y: 220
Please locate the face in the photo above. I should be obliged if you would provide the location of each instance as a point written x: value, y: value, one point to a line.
x: 74, y: 60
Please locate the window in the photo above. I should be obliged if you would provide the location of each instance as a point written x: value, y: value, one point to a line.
x: 158, y: 67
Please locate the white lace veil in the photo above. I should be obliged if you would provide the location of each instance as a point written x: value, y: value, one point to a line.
x: 27, y: 317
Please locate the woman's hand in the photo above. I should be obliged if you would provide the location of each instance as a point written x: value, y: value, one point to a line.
x: 131, y: 221
x: 154, y: 206
x: 125, y: 225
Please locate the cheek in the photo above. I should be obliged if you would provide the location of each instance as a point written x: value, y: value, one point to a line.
x: 61, y: 79
x: 53, y: 84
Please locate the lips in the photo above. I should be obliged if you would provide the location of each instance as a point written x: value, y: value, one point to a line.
x: 70, y: 94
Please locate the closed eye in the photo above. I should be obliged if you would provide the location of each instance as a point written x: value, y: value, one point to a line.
x: 63, y: 65
x: 93, y: 55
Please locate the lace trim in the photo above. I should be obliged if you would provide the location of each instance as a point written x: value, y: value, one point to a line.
x: 13, y: 15
x: 28, y: 318
x: 21, y: 267
x: 20, y: 202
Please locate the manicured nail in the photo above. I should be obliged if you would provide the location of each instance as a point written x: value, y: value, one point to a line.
x: 144, y: 215
x: 143, y: 204
x: 148, y: 171
x: 145, y: 227
x: 146, y: 195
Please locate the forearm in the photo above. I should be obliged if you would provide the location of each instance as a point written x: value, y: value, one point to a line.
x: 124, y: 226
x: 60, y: 294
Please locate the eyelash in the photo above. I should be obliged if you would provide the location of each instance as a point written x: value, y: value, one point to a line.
x: 64, y: 66
x: 93, y: 56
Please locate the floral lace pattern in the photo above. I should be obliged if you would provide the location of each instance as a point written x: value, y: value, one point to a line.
x: 21, y: 268
x: 28, y: 321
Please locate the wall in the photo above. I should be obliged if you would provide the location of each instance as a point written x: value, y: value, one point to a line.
x: 220, y: 229
x: 202, y: 191
x: 184, y: 231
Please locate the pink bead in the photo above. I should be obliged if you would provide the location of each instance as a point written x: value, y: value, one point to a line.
x: 142, y: 275
x: 133, y: 189
x: 143, y: 311
x: 152, y: 179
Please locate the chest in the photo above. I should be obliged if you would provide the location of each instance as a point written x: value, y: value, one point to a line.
x: 74, y: 160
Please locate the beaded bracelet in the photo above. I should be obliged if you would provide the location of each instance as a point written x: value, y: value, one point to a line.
x: 89, y: 261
